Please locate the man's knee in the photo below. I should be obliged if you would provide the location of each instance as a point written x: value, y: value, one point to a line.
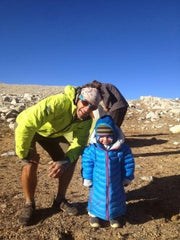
x: 28, y: 162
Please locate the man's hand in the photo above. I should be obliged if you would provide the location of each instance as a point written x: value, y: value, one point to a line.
x: 105, y: 109
x: 57, y: 168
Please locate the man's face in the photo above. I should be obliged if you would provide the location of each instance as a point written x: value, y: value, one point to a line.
x: 84, y: 108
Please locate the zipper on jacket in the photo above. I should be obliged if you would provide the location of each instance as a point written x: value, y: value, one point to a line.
x: 107, y: 182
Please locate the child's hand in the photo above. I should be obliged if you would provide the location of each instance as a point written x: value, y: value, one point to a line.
x: 126, y: 182
x: 87, y: 183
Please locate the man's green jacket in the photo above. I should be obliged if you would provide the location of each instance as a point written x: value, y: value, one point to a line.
x: 53, y: 116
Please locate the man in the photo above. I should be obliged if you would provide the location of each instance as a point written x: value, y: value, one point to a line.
x: 46, y: 123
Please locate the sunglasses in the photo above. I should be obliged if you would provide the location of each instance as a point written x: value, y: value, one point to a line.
x: 86, y: 103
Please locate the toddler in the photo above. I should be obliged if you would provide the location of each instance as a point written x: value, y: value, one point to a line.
x: 107, y: 166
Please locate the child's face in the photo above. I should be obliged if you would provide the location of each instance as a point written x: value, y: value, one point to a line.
x: 106, y: 140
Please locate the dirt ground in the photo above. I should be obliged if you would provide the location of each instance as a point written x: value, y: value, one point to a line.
x: 153, y: 199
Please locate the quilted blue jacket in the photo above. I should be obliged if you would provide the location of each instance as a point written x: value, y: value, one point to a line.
x: 107, y: 169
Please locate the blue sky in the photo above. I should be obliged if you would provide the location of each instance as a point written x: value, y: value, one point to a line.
x: 134, y: 44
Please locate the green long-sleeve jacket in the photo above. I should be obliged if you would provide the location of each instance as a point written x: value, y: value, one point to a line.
x: 53, y: 116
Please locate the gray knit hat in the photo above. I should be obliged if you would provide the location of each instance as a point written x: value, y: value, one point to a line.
x: 104, y: 130
x: 92, y: 95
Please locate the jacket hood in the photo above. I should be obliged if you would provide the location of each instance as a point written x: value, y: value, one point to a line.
x: 107, y: 121
x: 70, y: 91
x: 118, y: 134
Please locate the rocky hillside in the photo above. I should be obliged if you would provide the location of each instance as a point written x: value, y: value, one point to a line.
x: 151, y: 112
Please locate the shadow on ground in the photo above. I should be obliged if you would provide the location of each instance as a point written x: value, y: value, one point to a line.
x: 159, y: 199
x: 141, y: 142
x: 43, y: 213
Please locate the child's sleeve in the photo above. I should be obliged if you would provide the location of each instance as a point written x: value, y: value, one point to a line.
x: 87, y: 162
x: 128, y: 165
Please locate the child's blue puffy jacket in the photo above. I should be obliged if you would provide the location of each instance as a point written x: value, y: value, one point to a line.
x: 107, y: 169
